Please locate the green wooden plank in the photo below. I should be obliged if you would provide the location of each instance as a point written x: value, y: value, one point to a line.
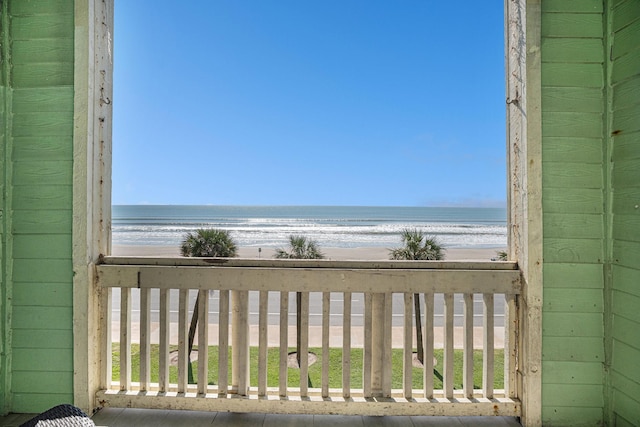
x: 621, y: 381
x: 43, y: 148
x: 47, y: 99
x: 572, y: 99
x: 578, y: 200
x: 622, y: 422
x: 42, y: 172
x: 576, y: 349
x: 572, y: 6
x: 626, y: 253
x: 572, y: 373
x: 626, y: 174
x: 627, y: 227
x: 573, y: 226
x: 574, y: 395
x: 572, y: 25
x: 38, y: 317
x: 567, y: 300
x: 570, y: 416
x: 44, y: 270
x: 569, y: 324
x: 42, y: 222
x: 58, y: 25
x: 38, y: 246
x: 40, y: 7
x: 625, y: 67
x: 42, y: 50
x: 626, y: 147
x: 54, y: 197
x: 626, y: 406
x: 43, y: 339
x: 41, y: 382
x: 37, y: 403
x: 588, y: 251
x: 42, y: 75
x: 573, y: 50
x: 43, y: 359
x: 623, y: 202
x: 43, y: 124
x: 43, y: 293
x: 572, y: 75
x: 567, y: 149
x: 627, y: 93
x: 570, y: 176
x: 624, y: 14
x: 626, y: 331
x: 627, y: 306
x: 626, y: 279
x: 625, y: 120
x: 625, y: 41
x: 587, y: 277
x: 569, y: 124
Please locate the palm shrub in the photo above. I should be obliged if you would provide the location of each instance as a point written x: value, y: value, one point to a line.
x: 418, y: 246
x: 205, y: 242
x: 299, y: 248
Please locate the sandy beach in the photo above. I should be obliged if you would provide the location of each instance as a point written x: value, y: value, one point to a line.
x: 338, y: 254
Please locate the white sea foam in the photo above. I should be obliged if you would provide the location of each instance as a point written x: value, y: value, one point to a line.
x: 329, y: 226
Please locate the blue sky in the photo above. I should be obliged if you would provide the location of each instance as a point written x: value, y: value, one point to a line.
x: 290, y: 102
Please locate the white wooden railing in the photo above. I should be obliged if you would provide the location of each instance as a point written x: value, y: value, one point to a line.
x: 383, y: 292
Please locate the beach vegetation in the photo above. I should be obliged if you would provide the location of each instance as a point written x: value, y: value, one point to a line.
x: 209, y: 242
x: 205, y: 242
x: 417, y: 246
x: 300, y: 247
x: 502, y: 256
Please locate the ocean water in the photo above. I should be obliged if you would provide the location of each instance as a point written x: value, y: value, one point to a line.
x: 330, y: 226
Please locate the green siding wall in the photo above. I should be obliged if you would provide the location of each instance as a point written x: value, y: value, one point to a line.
x: 625, y: 185
x: 573, y: 117
x: 39, y: 194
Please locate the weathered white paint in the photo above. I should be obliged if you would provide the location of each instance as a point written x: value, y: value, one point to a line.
x: 91, y: 228
x: 377, y: 327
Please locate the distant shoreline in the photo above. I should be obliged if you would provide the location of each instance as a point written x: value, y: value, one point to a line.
x: 332, y: 253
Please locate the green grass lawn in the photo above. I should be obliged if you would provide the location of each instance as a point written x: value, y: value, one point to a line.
x: 315, y: 370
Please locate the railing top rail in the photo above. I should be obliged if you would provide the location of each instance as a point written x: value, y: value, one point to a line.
x: 310, y: 279
x: 311, y: 263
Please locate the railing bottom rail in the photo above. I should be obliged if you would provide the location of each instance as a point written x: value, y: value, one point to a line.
x: 373, y: 406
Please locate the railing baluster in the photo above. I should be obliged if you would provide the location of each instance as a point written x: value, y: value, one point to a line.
x: 346, y: 345
x: 467, y: 362
x: 223, y: 343
x: 510, y: 345
x: 366, y: 363
x: 377, y: 343
x: 386, y: 350
x: 240, y: 341
x: 263, y: 326
x: 183, y: 344
x: 163, y: 351
x: 145, y: 339
x: 326, y: 316
x: 448, y: 346
x: 407, y: 366
x: 488, y: 356
x: 203, y: 341
x: 304, y: 343
x: 284, y: 342
x: 428, y: 345
x: 125, y: 339
x: 106, y: 309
